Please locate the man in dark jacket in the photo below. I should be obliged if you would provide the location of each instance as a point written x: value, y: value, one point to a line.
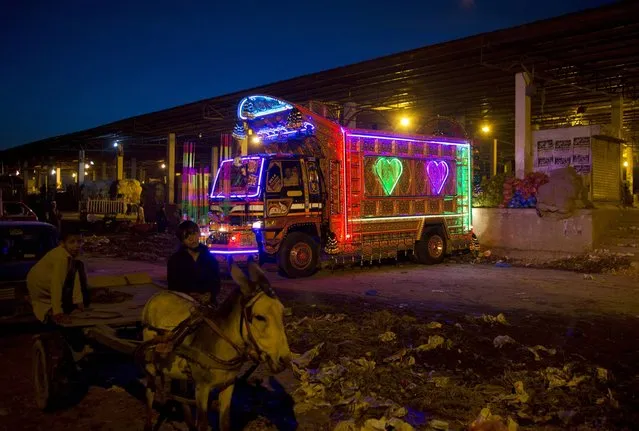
x: 192, y: 269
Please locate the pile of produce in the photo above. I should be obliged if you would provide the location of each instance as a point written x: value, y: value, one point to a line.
x: 522, y: 193
x: 130, y: 190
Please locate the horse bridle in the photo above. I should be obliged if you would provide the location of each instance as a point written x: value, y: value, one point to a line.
x: 251, y: 350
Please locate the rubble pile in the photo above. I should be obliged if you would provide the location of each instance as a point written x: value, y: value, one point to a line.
x: 383, y: 371
x: 154, y: 247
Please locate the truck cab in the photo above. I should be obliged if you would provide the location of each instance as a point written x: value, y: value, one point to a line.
x: 269, y: 205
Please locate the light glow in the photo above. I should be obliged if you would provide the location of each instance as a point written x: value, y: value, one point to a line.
x: 625, y: 164
x: 251, y: 251
x: 17, y: 173
x: 399, y: 218
x: 246, y: 195
x: 257, y: 225
x: 53, y: 171
x: 389, y: 170
x: 404, y: 121
x: 279, y: 106
x: 256, y: 139
x: 485, y: 128
x: 437, y: 171
x: 86, y: 166
x: 163, y: 166
x: 344, y: 185
x: 426, y: 141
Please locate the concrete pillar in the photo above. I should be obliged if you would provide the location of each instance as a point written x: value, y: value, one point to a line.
x: 494, y: 162
x: 142, y: 175
x: 133, y: 169
x: 523, y: 131
x: 617, y: 117
x: 119, y: 173
x: 244, y: 145
x: 81, y: 163
x: 170, y: 176
x: 350, y: 119
x: 104, y: 171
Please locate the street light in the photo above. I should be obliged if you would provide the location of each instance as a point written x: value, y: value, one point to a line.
x: 485, y: 129
x: 53, y: 171
x: 404, y: 122
x: 163, y: 166
x: 86, y: 166
x: 256, y: 139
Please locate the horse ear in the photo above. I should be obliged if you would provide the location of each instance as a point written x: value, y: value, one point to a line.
x: 256, y: 274
x: 240, y: 279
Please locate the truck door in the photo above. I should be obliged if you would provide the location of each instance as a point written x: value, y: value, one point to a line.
x: 284, y: 188
x: 314, y: 186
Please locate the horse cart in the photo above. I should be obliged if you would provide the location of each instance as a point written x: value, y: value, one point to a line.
x: 110, y: 325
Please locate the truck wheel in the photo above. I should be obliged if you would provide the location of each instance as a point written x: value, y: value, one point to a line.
x: 298, y: 255
x: 432, y: 248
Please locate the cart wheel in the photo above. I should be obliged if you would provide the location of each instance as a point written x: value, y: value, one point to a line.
x: 53, y: 370
x: 432, y: 248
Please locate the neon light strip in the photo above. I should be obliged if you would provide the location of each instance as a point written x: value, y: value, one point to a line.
x: 284, y: 107
x: 259, y: 180
x: 234, y: 251
x: 470, y: 188
x: 398, y: 218
x: 389, y: 138
x: 344, y: 181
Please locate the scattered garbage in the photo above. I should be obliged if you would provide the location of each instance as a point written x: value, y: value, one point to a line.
x: 501, y: 340
x: 536, y: 349
x: 387, y: 337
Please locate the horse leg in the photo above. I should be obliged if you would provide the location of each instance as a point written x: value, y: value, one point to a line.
x: 150, y: 392
x: 202, y: 392
x: 224, y: 401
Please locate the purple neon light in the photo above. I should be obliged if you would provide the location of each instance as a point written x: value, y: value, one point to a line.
x: 437, y: 171
x: 234, y: 251
x: 246, y: 195
x: 426, y: 141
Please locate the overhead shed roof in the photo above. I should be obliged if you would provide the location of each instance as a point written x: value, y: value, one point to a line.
x: 579, y: 63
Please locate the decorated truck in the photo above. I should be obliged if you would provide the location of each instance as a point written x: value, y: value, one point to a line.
x: 311, y: 188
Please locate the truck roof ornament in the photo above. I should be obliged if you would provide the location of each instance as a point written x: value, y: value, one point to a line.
x: 258, y: 105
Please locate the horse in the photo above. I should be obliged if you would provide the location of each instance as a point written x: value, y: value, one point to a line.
x: 210, y: 351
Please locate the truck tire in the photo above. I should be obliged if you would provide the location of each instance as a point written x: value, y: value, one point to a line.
x: 298, y: 256
x: 431, y: 249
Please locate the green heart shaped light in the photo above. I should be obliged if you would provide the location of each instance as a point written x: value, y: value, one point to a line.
x: 388, y: 170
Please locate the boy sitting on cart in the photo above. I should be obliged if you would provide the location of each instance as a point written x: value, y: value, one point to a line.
x: 57, y: 283
x: 192, y: 269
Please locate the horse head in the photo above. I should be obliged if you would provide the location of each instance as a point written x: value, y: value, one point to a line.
x: 263, y: 315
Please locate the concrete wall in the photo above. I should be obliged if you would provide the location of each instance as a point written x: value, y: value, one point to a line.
x: 523, y: 229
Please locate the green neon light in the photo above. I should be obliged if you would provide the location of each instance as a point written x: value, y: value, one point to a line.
x: 389, y: 170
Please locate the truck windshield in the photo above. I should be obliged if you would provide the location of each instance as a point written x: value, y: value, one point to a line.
x: 239, y: 178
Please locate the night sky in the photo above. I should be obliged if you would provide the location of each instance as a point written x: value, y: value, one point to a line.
x: 68, y: 65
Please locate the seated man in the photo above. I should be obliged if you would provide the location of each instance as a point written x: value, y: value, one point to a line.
x: 192, y: 269
x: 57, y: 283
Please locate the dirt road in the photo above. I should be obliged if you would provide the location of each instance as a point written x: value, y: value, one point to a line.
x: 451, y: 286
x: 590, y: 321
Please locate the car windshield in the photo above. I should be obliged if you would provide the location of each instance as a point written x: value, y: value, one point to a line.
x: 25, y: 242
x: 239, y: 178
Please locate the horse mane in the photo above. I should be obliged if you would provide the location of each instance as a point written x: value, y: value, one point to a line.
x: 225, y: 309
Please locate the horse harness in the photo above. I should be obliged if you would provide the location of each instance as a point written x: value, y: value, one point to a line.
x: 170, y: 342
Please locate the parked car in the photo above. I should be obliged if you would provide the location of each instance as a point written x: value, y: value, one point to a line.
x: 22, y: 244
x: 17, y: 211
